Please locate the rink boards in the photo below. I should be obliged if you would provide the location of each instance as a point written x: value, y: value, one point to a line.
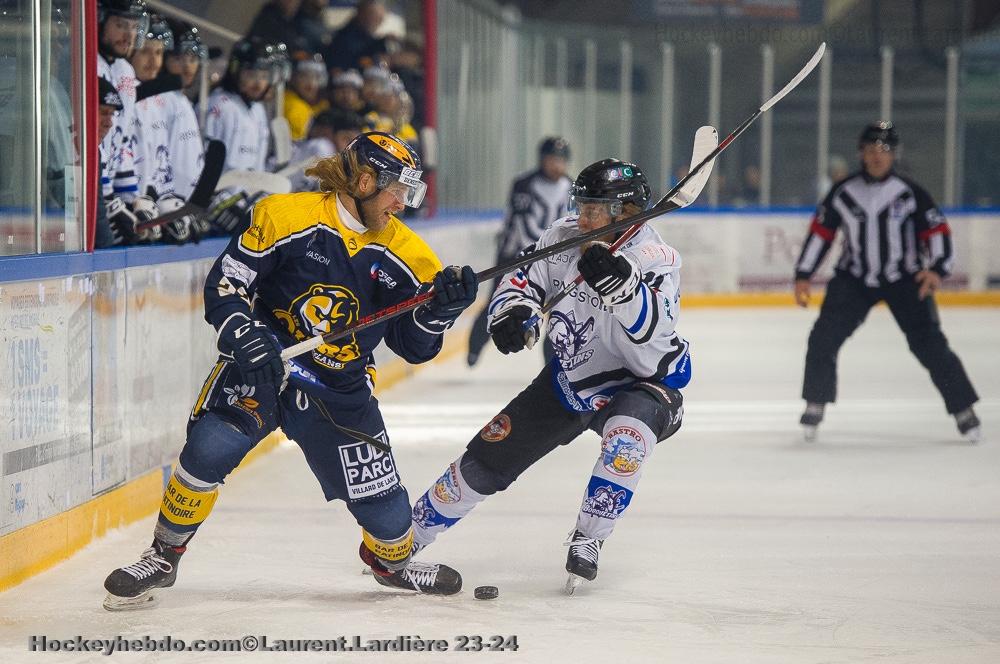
x: 103, y: 354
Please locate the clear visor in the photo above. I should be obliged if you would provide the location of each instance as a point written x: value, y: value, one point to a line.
x: 580, y: 204
x: 407, y: 186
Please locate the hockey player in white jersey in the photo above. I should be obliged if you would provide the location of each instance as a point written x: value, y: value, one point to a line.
x: 122, y: 26
x: 236, y: 116
x: 169, y: 154
x: 618, y: 369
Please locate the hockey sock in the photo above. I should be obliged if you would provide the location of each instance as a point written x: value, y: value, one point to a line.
x: 187, y: 502
x: 391, y: 555
x: 447, y: 501
x: 627, y: 444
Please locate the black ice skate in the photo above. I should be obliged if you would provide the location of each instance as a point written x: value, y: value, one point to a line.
x: 810, y: 420
x: 131, y: 587
x: 969, y: 425
x: 581, y: 561
x: 424, y: 578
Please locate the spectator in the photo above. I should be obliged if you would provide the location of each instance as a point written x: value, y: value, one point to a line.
x: 302, y: 99
x: 392, y: 111
x: 309, y: 24
x: 355, y: 46
x: 407, y: 62
x: 277, y: 22
x: 345, y: 91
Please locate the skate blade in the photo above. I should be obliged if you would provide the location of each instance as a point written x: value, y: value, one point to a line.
x: 144, y: 600
x: 572, y: 583
x: 973, y: 435
x: 809, y: 433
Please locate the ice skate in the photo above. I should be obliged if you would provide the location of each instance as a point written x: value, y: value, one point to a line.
x: 810, y: 420
x: 581, y: 561
x: 424, y: 578
x: 131, y: 587
x: 969, y: 425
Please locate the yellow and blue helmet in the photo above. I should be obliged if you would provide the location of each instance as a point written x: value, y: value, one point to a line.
x: 393, y: 160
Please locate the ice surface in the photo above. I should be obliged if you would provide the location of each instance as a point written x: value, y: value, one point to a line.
x: 879, y: 542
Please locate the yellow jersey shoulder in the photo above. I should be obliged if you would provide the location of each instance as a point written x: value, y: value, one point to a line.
x: 410, y: 248
x: 278, y: 218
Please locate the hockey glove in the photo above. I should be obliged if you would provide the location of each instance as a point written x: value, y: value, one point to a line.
x: 454, y: 291
x: 122, y: 222
x: 144, y: 208
x: 254, y: 349
x: 179, y: 231
x: 233, y: 213
x: 226, y: 211
x: 612, y: 277
x: 508, y: 331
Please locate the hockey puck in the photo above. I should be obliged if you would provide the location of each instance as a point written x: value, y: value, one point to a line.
x: 486, y: 592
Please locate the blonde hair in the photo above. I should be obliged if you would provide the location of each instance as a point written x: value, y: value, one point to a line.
x: 339, y: 173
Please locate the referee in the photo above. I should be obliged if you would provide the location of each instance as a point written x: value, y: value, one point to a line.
x: 897, y: 248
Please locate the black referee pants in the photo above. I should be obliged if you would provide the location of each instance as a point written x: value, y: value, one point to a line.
x: 847, y: 303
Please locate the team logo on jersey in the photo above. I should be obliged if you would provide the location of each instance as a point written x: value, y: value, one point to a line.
x: 320, y: 310
x: 605, y: 499
x: 380, y: 275
x: 241, y: 396
x: 622, y: 451
x: 498, y: 429
x: 425, y: 516
x: 447, y: 489
x: 568, y: 338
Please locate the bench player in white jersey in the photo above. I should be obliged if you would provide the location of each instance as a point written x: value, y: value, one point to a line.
x: 236, y: 116
x: 122, y: 26
x: 618, y: 368
x: 169, y: 152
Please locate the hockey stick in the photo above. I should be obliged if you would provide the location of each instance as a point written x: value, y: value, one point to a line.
x: 706, y: 139
x: 657, y: 210
x: 253, y: 182
x: 201, y: 197
x: 683, y: 197
x: 697, y: 172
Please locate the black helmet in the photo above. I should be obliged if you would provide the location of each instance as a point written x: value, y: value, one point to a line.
x: 132, y: 9
x: 250, y: 53
x: 107, y: 95
x: 393, y: 160
x: 611, y: 180
x: 187, y: 39
x: 555, y: 146
x: 881, y: 133
x: 159, y: 30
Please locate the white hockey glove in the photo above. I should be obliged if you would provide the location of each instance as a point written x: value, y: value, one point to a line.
x: 122, y: 222
x: 180, y: 230
x: 144, y: 209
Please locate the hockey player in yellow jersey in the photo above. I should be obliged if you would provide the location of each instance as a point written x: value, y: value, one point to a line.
x: 311, y: 263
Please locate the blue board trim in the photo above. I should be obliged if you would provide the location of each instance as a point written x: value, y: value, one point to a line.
x: 53, y: 266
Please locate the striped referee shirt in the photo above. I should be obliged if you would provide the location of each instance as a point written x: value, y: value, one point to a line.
x: 535, y: 202
x: 891, y: 227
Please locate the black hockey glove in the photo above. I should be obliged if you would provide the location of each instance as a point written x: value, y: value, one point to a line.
x: 233, y: 213
x: 122, y: 222
x: 254, y: 349
x: 508, y: 331
x: 612, y: 277
x: 454, y: 291
x: 227, y: 210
